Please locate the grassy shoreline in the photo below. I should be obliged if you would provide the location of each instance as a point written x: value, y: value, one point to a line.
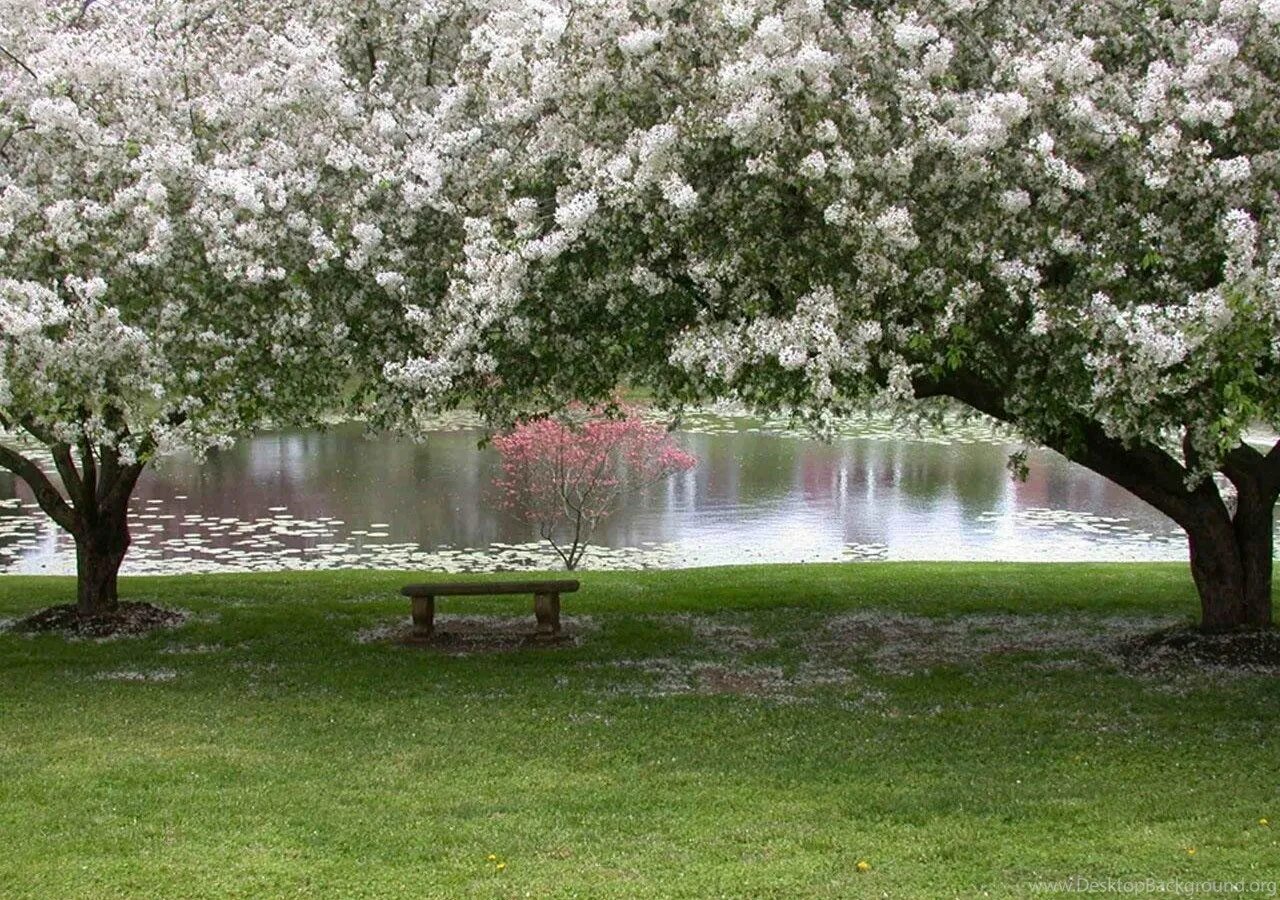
x: 927, y: 587
x: 741, y: 732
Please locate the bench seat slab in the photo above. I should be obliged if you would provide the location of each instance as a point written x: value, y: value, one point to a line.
x: 481, y: 588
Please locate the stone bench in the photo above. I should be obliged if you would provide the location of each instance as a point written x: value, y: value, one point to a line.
x: 546, y: 600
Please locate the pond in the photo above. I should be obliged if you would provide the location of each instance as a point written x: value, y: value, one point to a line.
x: 760, y: 493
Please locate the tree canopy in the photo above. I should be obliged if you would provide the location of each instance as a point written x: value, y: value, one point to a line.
x: 1062, y: 215
x: 192, y: 205
x: 215, y: 217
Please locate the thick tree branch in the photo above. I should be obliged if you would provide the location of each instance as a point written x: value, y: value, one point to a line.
x: 117, y: 493
x: 71, y: 481
x: 47, y: 495
x: 1144, y: 470
x: 1253, y: 472
x: 33, y: 428
x: 109, y: 463
x: 89, y: 472
x: 1271, y: 467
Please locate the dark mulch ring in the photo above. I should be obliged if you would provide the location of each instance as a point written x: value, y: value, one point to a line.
x: 1184, y: 647
x: 125, y: 620
x: 453, y: 642
x: 476, y: 634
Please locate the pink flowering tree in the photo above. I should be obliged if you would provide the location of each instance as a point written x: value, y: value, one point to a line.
x: 565, y: 477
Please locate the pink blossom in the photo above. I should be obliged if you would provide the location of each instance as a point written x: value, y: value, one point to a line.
x: 566, y: 476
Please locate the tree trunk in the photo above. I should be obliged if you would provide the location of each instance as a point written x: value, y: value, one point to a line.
x: 100, y: 549
x: 1230, y: 557
x: 1230, y: 554
x: 1253, y: 527
x: 1219, y: 576
x: 93, y: 505
x: 1232, y: 573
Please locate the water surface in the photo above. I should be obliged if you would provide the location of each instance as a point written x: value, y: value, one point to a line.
x: 760, y: 493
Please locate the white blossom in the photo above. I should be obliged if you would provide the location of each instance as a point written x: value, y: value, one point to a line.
x: 639, y: 42
x: 894, y: 226
x: 577, y: 210
x: 814, y: 165
x: 1234, y: 170
x: 678, y: 193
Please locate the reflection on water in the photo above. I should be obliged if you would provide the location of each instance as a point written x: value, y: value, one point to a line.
x: 336, y: 498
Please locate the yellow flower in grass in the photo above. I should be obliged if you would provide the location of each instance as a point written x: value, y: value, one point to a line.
x: 501, y: 866
x: 1191, y: 851
x: 491, y: 858
x: 1264, y: 822
x: 863, y: 866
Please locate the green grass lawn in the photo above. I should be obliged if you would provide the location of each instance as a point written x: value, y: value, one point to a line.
x: 737, y: 732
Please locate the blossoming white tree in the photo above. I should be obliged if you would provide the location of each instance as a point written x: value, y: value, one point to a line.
x: 1063, y: 215
x: 187, y: 230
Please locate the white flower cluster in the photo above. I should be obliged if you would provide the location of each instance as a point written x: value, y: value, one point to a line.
x: 184, y: 186
x: 855, y: 190
x: 231, y: 210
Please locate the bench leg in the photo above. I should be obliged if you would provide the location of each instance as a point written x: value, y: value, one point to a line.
x: 546, y: 608
x: 424, y: 615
